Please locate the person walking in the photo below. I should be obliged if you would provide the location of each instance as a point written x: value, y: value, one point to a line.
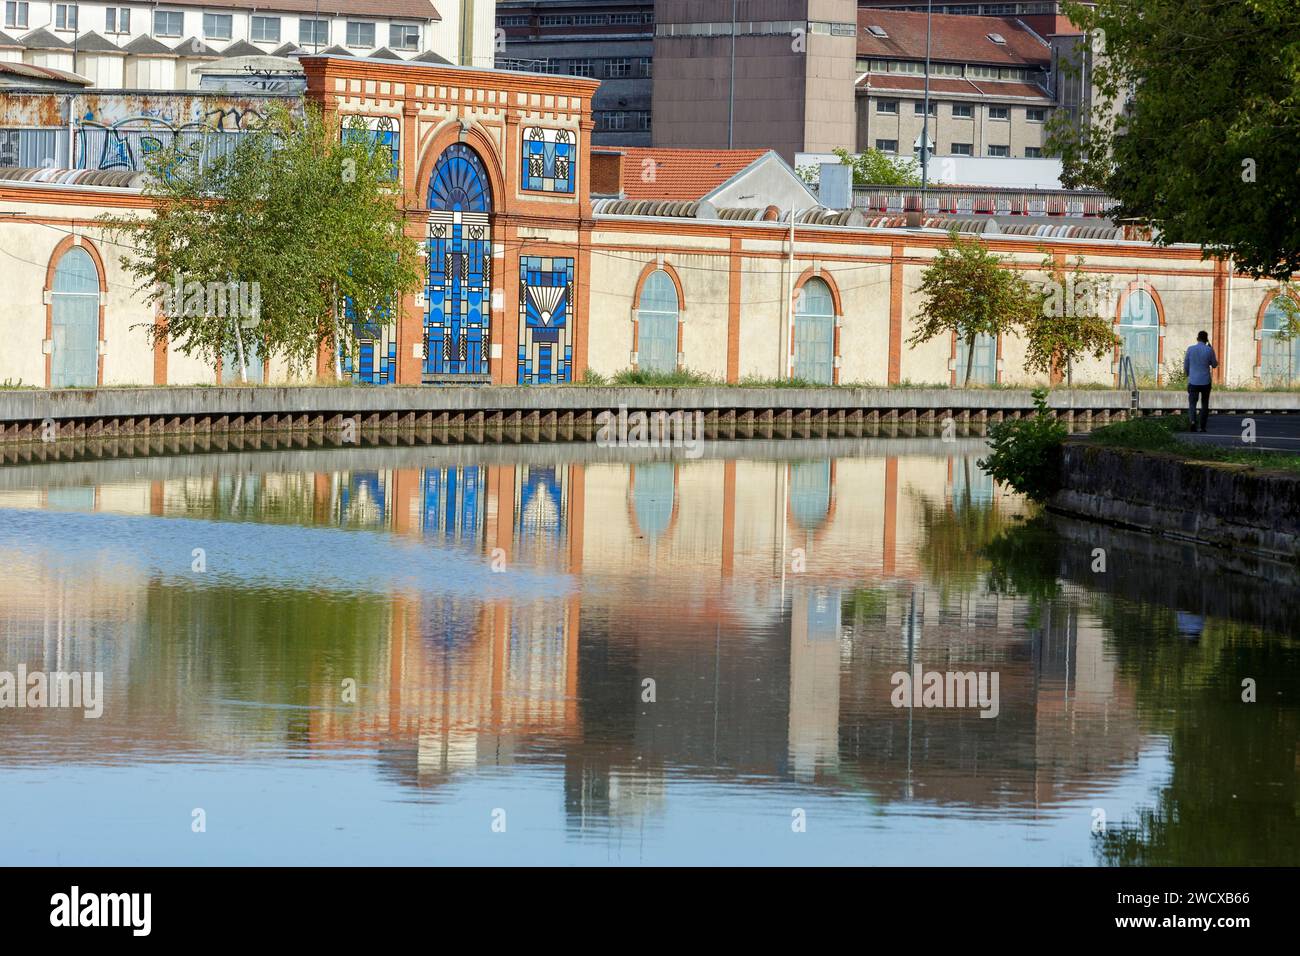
x: 1198, y: 361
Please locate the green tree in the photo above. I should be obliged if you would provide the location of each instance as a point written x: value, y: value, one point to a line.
x: 301, y: 213
x: 1195, y: 128
x: 1073, y: 322
x: 969, y: 292
x: 871, y: 167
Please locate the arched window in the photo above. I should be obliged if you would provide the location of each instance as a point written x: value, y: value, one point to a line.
x: 814, y: 333
x: 459, y: 312
x: 74, y: 359
x: 230, y: 370
x: 1139, y: 332
x: 657, y: 316
x: 1279, y: 355
x: 983, y: 360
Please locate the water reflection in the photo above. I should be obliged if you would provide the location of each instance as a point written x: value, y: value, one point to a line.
x: 639, y: 658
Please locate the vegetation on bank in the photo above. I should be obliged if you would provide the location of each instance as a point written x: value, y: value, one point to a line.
x: 1026, y: 453
x: 1161, y: 435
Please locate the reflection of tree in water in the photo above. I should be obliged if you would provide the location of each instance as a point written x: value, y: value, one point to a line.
x: 268, y: 646
x: 270, y: 498
x: 1232, y: 797
x: 1024, y: 561
x: 954, y: 532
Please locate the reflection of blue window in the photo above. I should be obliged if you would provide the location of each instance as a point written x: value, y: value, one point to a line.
x: 453, y: 500
x: 362, y: 499
x: 983, y: 363
x: 657, y: 318
x: 810, y: 493
x: 549, y: 159
x: 379, y: 132
x: 1280, y: 356
x: 652, y: 497
x: 1139, y: 332
x: 814, y: 333
x: 540, y: 507
x: 824, y: 614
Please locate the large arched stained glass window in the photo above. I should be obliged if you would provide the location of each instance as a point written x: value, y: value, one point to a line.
x: 459, y: 291
x: 1139, y: 332
x: 74, y: 357
x: 1279, y: 353
x: 657, y: 317
x: 814, y: 333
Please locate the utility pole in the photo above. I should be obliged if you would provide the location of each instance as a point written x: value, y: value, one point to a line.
x: 731, y: 96
x: 925, y: 113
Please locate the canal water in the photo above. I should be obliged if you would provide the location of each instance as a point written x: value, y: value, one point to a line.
x: 567, y: 654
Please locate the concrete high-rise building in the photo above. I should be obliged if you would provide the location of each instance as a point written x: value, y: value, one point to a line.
x: 608, y: 40
x: 755, y: 73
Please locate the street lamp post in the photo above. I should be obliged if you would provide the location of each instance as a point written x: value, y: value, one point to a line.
x: 925, y: 113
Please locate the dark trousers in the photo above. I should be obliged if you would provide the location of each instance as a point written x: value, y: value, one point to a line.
x: 1203, y: 391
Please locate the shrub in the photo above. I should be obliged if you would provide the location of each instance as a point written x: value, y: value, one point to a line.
x: 1026, y: 453
x: 1155, y: 433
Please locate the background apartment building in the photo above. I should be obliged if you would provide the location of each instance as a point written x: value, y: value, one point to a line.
x: 157, y: 46
x: 778, y: 75
x: 1044, y: 17
x: 610, y: 40
x: 990, y: 85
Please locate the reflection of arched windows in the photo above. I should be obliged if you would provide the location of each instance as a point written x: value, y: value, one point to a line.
x: 459, y: 291
x: 653, y: 497
x: 74, y: 326
x: 810, y: 493
x: 657, y: 317
x: 814, y: 333
x: 971, y: 485
x: 1279, y: 355
x: 1139, y: 332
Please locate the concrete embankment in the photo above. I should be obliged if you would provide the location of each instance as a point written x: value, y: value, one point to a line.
x: 1228, y: 505
x: 729, y: 412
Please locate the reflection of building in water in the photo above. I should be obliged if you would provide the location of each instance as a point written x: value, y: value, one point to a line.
x: 769, y: 601
x: 814, y: 680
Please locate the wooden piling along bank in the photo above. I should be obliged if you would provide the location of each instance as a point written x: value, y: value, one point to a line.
x: 275, y: 417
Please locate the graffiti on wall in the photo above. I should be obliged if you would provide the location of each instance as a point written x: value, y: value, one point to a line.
x: 128, y: 143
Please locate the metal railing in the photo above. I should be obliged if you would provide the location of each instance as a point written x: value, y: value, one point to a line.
x: 1128, y: 379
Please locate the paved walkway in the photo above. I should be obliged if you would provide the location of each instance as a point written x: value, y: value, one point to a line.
x: 1272, y: 432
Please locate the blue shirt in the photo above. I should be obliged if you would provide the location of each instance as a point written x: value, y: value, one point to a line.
x: 1197, y: 363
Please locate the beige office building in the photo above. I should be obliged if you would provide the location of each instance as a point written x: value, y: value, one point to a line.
x: 780, y: 77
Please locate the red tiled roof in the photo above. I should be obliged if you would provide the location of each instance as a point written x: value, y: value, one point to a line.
x: 681, y: 174
x: 954, y: 39
x: 940, y: 86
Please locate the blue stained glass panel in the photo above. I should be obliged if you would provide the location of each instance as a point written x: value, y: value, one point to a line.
x: 459, y: 288
x: 550, y: 160
x: 545, y: 330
